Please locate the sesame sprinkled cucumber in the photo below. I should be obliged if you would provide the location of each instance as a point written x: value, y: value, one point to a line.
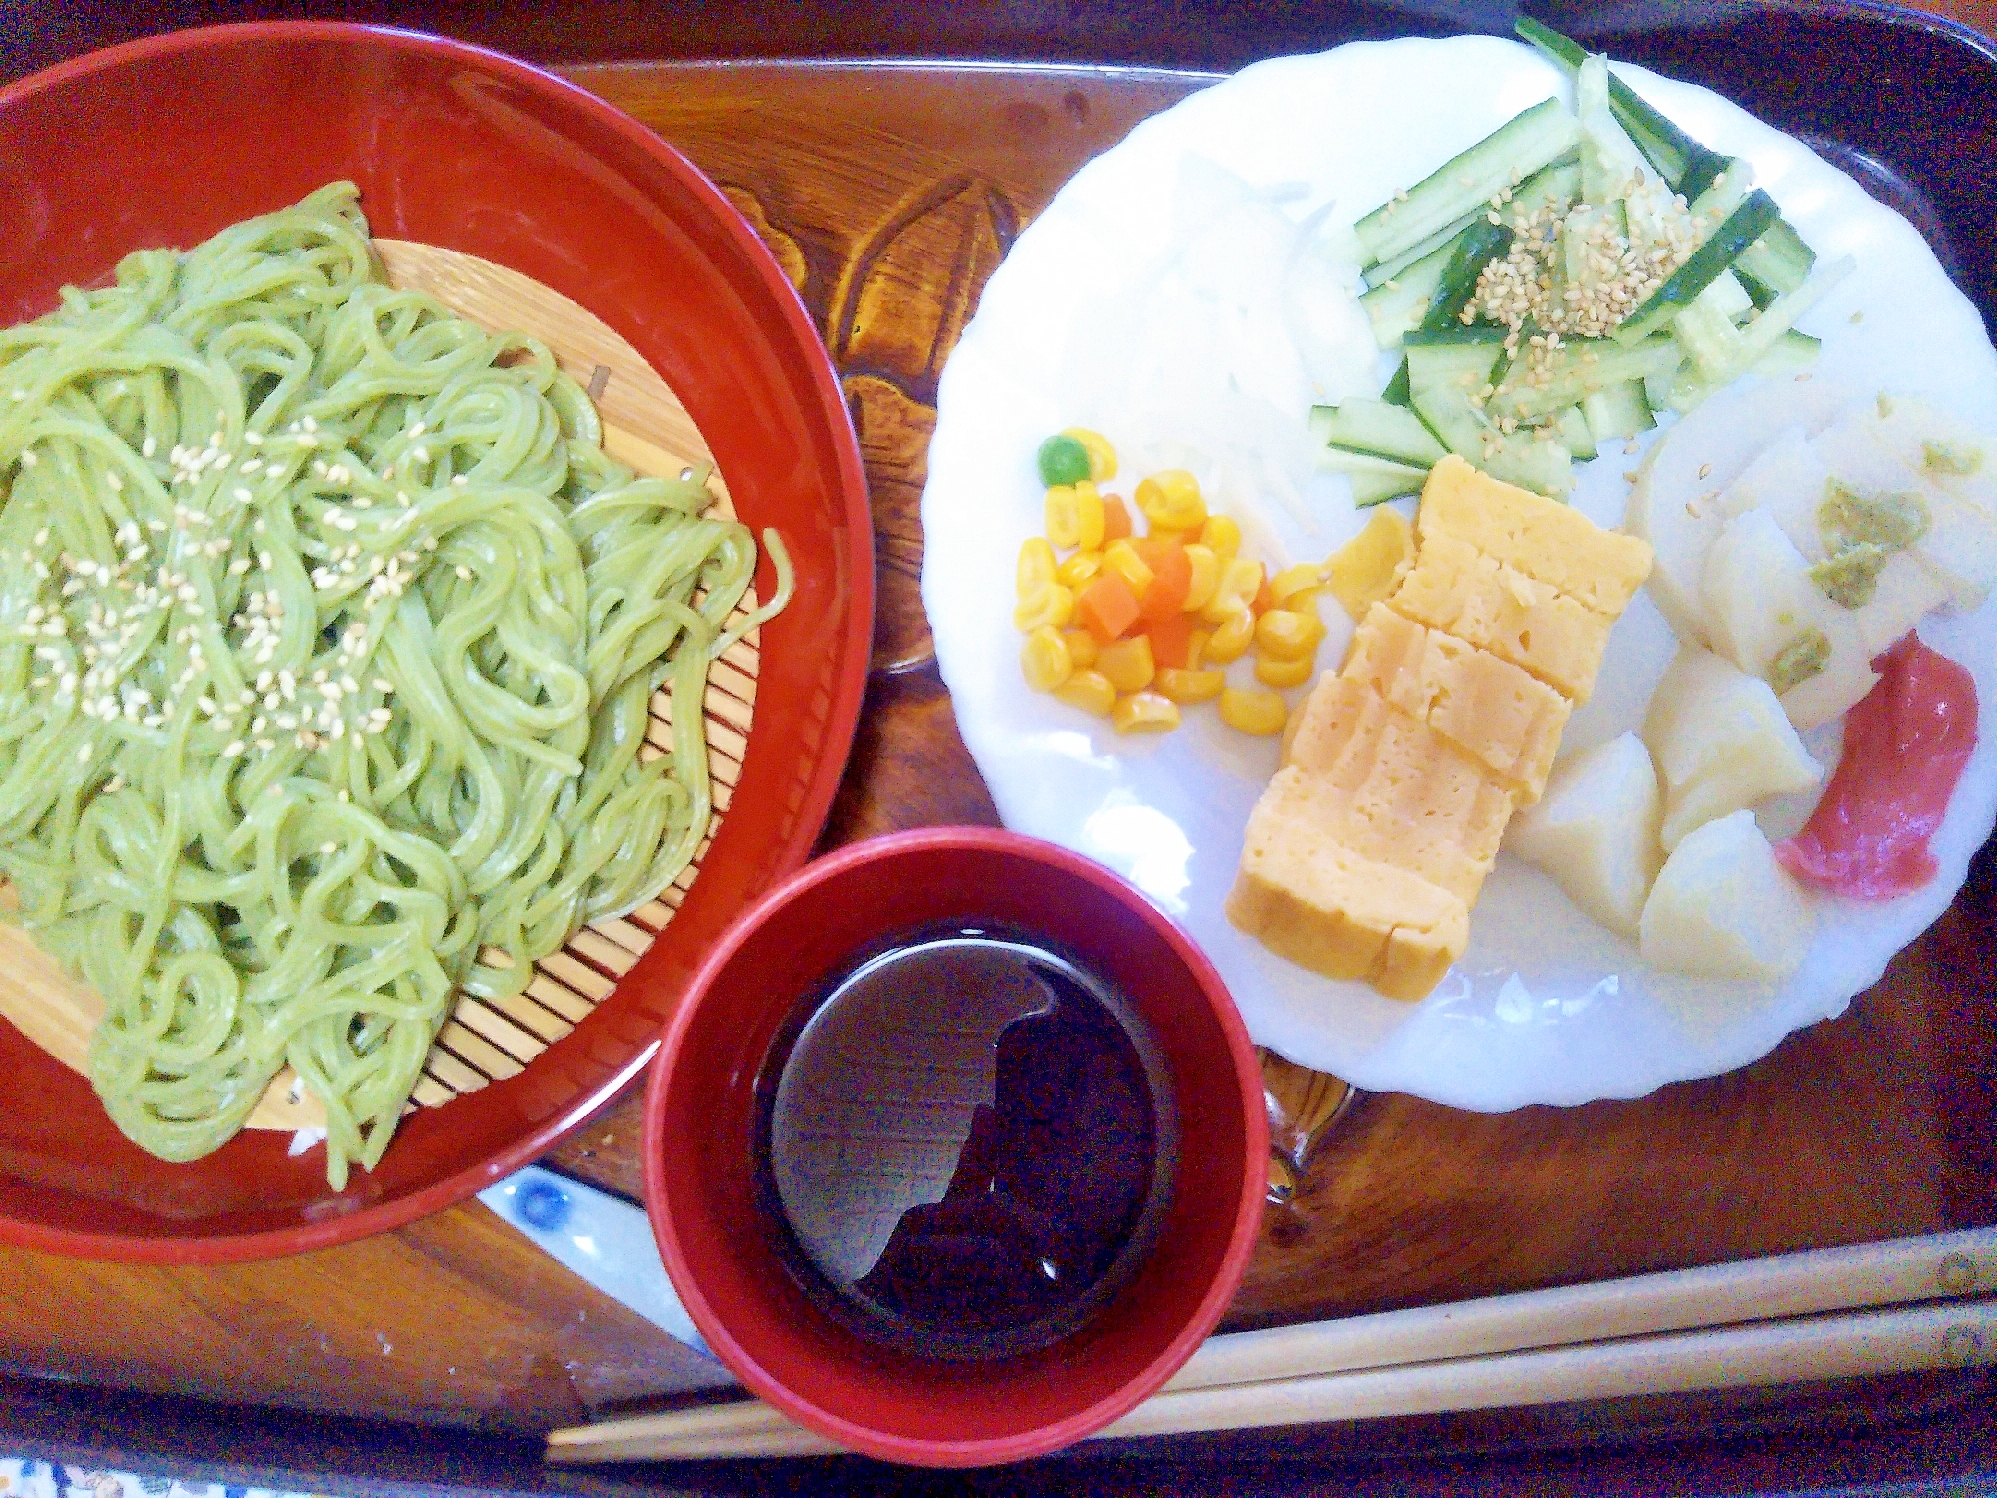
x: 1560, y: 281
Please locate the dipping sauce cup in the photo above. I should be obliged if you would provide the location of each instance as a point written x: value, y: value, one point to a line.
x: 728, y: 1257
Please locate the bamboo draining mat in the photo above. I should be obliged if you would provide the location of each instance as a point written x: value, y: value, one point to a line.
x: 646, y: 428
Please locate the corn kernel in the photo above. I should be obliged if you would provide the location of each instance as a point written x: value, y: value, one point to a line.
x: 1222, y: 535
x: 1240, y: 581
x: 1248, y: 711
x: 1206, y: 577
x: 1187, y: 687
x: 1102, y: 457
x: 1274, y: 673
x: 1285, y: 635
x: 1079, y: 570
x: 1082, y: 648
x: 1232, y: 638
x: 1036, y: 566
x: 1296, y: 587
x: 1145, y: 712
x: 1196, y: 648
x: 1121, y: 557
x: 1050, y: 604
x: 1075, y: 516
x: 1090, y: 691
x: 1127, y: 663
x: 1045, y: 659
x: 1171, y: 498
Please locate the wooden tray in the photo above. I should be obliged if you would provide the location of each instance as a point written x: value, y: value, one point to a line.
x: 890, y: 193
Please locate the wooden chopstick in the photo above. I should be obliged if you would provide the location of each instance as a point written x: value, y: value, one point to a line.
x: 1609, y: 1332
x: 1851, y: 1345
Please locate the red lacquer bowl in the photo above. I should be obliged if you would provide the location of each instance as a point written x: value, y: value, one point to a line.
x: 700, y: 1184
x: 165, y: 141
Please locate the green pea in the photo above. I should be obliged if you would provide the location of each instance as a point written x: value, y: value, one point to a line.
x: 1063, y: 460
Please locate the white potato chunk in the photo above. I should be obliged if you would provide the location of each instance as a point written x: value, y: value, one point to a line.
x: 1721, y: 742
x: 1761, y: 604
x: 1674, y: 501
x: 1595, y: 831
x: 1722, y: 907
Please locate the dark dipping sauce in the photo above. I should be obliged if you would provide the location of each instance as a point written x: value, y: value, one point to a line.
x: 966, y: 1143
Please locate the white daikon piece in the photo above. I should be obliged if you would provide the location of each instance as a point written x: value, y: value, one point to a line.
x: 1950, y: 454
x: 1674, y: 500
x: 1721, y: 742
x: 1595, y: 831
x: 1723, y: 907
x: 1786, y: 478
x: 1762, y: 604
x: 1960, y: 545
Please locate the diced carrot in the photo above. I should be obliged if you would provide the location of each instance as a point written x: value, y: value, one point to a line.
x: 1264, y: 599
x: 1171, y: 579
x: 1116, y: 519
x: 1107, y: 607
x: 1172, y: 639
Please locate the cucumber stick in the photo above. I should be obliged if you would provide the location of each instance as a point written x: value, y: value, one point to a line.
x: 1554, y: 187
x: 1664, y: 145
x: 1610, y: 162
x: 1397, y: 305
x: 1396, y: 393
x: 1744, y: 225
x: 1374, y: 479
x: 1475, y: 248
x: 1572, y: 428
x: 1706, y: 331
x: 1580, y: 367
x: 1375, y: 427
x: 1438, y: 242
x: 1778, y: 262
x: 1617, y: 412
x: 1443, y: 378
x: 1514, y: 151
x: 1772, y: 327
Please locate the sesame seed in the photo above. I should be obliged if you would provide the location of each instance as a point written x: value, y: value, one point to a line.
x: 329, y: 848
x: 28, y: 458
x: 233, y: 749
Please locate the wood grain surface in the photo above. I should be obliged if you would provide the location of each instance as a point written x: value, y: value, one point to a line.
x: 888, y: 195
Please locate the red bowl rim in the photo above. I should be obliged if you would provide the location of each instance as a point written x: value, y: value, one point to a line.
x: 841, y: 723
x: 1248, y: 1210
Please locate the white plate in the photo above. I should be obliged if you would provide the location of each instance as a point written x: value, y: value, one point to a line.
x: 1545, y: 1007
